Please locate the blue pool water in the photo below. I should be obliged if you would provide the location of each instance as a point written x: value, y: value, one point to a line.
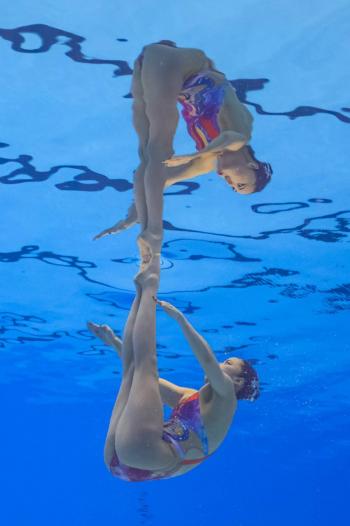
x: 264, y: 277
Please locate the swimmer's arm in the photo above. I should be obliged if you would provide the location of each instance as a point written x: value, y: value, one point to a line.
x: 202, y: 350
x: 194, y: 168
x: 227, y: 140
x: 220, y: 382
x: 171, y: 393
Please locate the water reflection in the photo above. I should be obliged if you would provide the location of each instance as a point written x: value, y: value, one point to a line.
x: 335, y: 228
x: 51, y: 258
x: 329, y: 228
x: 51, y: 36
x: 87, y: 180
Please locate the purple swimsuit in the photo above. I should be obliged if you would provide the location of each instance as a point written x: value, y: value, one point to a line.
x: 184, y: 418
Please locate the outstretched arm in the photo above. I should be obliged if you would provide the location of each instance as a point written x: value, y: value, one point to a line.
x: 169, y: 392
x: 227, y: 140
x: 195, y: 167
x: 220, y: 382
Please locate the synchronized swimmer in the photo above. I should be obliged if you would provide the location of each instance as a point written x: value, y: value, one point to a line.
x: 139, y: 444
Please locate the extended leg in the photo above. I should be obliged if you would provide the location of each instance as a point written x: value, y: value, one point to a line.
x: 162, y: 78
x: 141, y: 124
x: 138, y: 438
x: 128, y: 371
x: 138, y: 209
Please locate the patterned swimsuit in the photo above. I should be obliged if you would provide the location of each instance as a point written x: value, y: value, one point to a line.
x: 184, y: 418
x: 201, y: 96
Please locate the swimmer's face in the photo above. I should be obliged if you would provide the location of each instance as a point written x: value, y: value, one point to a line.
x: 233, y: 367
x: 242, y: 177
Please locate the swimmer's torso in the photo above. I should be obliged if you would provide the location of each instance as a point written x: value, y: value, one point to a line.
x: 210, y: 106
x: 217, y: 414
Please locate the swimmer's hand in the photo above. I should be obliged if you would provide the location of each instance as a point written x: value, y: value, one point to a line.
x: 169, y: 309
x: 178, y: 160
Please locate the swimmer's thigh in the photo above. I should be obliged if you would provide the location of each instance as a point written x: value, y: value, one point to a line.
x: 138, y: 439
x: 162, y: 77
x: 139, y: 118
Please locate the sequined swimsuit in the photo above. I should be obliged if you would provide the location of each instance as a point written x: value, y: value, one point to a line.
x: 184, y: 418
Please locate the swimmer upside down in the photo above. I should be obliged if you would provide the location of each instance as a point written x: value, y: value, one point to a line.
x: 218, y: 122
x: 139, y: 445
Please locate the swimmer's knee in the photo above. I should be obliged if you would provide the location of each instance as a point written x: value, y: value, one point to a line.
x: 143, y: 156
x: 159, y: 149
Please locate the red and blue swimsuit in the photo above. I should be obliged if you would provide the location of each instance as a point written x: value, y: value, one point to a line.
x: 185, y: 417
x: 201, y: 97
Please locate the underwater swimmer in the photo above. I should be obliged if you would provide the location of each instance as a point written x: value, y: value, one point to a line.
x: 140, y: 445
x: 218, y: 122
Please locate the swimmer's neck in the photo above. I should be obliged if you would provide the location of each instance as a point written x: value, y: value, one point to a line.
x: 240, y: 157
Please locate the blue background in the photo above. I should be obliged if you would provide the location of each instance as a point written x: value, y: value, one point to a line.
x: 264, y: 277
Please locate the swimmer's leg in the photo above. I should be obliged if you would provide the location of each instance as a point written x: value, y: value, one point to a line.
x: 127, y: 357
x: 138, y: 210
x: 162, y: 78
x: 138, y: 437
x: 141, y: 124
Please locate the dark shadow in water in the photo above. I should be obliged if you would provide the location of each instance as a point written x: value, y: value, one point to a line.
x: 123, y: 300
x: 143, y: 510
x: 50, y: 36
x: 50, y: 258
x: 243, y: 86
x: 86, y: 181
x: 276, y: 208
x: 339, y: 230
x: 32, y: 329
x: 194, y: 250
x: 339, y: 296
x: 27, y: 329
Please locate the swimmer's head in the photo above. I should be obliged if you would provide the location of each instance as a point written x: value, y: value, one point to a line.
x: 245, y: 177
x: 244, y: 377
x: 170, y: 43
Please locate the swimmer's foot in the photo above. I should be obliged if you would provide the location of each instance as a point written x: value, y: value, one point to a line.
x: 123, y: 224
x: 150, y: 276
x: 104, y: 332
x: 150, y: 245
